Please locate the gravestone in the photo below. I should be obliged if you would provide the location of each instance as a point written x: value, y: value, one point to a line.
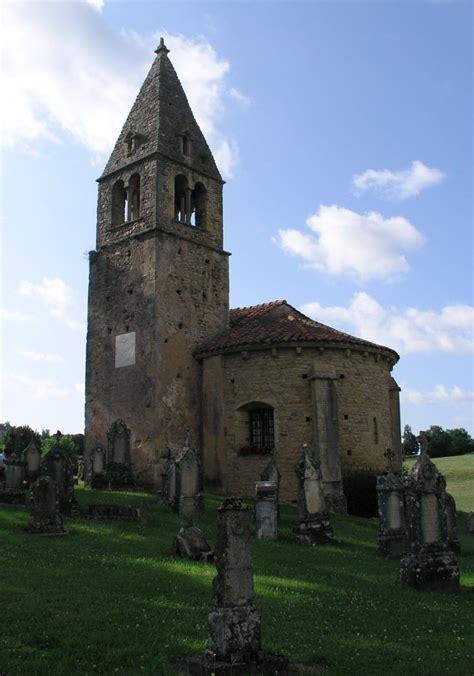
x: 45, y: 515
x: 188, y: 500
x: 58, y: 465
x: 266, y: 510
x: 113, y: 513
x: 119, y: 466
x: 392, y: 538
x: 234, y: 621
x: 272, y: 473
x: 314, y: 526
x: 191, y: 544
x: 451, y: 524
x: 12, y: 489
x: 32, y: 457
x: 98, y: 466
x: 430, y: 563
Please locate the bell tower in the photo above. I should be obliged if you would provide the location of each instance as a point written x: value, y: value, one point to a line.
x: 158, y: 282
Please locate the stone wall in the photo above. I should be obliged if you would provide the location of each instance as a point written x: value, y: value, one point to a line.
x: 280, y: 377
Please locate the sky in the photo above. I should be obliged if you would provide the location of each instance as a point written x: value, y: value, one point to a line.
x: 343, y: 131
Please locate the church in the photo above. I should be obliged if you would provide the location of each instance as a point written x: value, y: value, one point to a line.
x: 165, y: 353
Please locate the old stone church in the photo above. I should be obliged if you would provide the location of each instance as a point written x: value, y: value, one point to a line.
x: 166, y: 355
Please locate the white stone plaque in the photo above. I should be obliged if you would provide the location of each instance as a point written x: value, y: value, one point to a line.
x: 125, y: 349
x: 394, y: 517
x: 98, y: 461
x: 430, y: 525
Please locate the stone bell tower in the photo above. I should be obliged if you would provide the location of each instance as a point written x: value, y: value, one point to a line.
x: 158, y: 277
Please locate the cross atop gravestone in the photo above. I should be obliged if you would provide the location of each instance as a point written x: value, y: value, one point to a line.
x: 430, y: 563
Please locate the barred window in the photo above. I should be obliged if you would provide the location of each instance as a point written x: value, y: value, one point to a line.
x: 261, y: 427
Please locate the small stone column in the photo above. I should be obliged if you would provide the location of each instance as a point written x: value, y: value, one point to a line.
x: 314, y: 526
x: 234, y: 622
x: 45, y: 515
x: 451, y: 524
x: 430, y: 563
x: 392, y: 539
x: 266, y: 510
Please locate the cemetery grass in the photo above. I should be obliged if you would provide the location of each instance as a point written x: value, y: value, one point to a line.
x: 108, y: 599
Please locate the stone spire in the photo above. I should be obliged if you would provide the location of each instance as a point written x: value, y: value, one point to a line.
x: 159, y: 121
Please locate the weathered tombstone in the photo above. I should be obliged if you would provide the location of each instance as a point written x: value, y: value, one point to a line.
x: 32, y: 457
x: 191, y: 544
x: 234, y: 621
x: 45, y: 515
x: 14, y: 473
x: 430, y: 563
x: 188, y: 498
x: 392, y: 539
x: 168, y: 480
x: 119, y: 467
x: 98, y: 465
x: 314, y: 526
x: 451, y: 524
x: 272, y: 473
x: 58, y: 465
x: 266, y: 510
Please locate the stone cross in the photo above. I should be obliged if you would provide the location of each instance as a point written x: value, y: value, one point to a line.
x: 314, y: 526
x: 430, y: 563
x: 234, y: 622
x: 45, y: 515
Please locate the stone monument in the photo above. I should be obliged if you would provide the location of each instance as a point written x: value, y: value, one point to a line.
x: 119, y: 466
x: 188, y: 499
x: 314, y: 526
x: 266, y: 510
x: 430, y: 563
x: 392, y: 539
x: 191, y: 544
x: 451, y: 524
x: 45, y: 515
x: 32, y: 457
x: 58, y: 465
x: 98, y: 466
x: 272, y: 473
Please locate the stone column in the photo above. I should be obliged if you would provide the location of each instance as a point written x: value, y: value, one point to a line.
x: 430, y: 563
x: 234, y: 622
x: 266, y: 510
x: 325, y: 438
x: 188, y: 209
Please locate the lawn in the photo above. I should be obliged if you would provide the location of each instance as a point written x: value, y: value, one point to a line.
x: 108, y: 599
x: 459, y: 474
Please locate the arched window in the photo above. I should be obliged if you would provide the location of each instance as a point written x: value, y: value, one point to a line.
x: 258, y: 420
x: 199, y: 204
x: 119, y: 203
x: 182, y: 199
x: 186, y: 145
x: 134, y: 197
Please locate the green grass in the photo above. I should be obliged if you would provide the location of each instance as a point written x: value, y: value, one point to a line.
x: 108, y: 599
x: 459, y: 474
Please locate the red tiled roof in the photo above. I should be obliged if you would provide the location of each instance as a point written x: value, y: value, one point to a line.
x: 278, y: 322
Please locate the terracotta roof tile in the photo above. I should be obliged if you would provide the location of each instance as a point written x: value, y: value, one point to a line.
x: 277, y: 322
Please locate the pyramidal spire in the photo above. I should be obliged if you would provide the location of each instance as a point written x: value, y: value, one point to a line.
x: 161, y: 121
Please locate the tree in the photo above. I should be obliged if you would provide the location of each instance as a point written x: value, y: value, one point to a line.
x: 409, y: 442
x: 18, y: 438
x: 461, y: 441
x: 65, y: 441
x: 440, y: 442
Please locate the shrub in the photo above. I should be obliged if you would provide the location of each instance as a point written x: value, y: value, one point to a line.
x: 361, y: 494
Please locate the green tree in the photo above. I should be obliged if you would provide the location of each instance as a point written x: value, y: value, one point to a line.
x: 440, y: 442
x: 461, y: 441
x: 18, y: 438
x: 410, y: 444
x: 66, y: 442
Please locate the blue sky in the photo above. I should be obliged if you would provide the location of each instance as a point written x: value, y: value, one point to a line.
x: 344, y: 131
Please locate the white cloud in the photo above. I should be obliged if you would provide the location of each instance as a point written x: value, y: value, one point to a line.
x: 42, y: 388
x: 361, y: 246
x: 440, y: 394
x: 83, y: 85
x: 397, y: 185
x: 14, y: 315
x: 241, y: 99
x: 409, y: 330
x: 43, y: 357
x: 55, y: 293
